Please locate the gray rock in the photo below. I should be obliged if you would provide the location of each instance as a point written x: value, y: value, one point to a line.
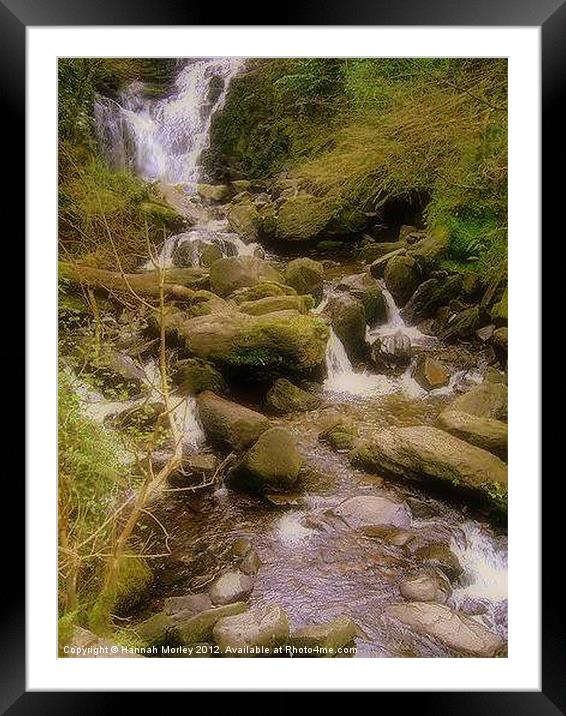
x: 228, y: 424
x: 370, y: 510
x: 231, y: 587
x: 266, y: 626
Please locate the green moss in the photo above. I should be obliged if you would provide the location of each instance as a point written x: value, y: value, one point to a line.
x: 302, y: 217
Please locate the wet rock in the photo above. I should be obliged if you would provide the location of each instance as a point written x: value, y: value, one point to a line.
x: 347, y: 316
x: 154, y: 631
x: 241, y: 547
x: 141, y: 417
x: 374, y: 250
x: 284, y: 499
x: 233, y: 272
x: 199, y: 628
x: 486, y: 433
x: 283, y: 343
x: 228, y: 424
x: 429, y: 250
x: 250, y: 563
x: 485, y: 333
x: 462, y: 324
x: 430, y: 373
x: 265, y: 289
x: 391, y: 353
x: 340, y: 434
x: 214, y: 192
x: 302, y: 217
x: 267, y: 627
x: 306, y: 277
x: 396, y: 536
x: 333, y: 635
x: 422, y: 452
x: 187, y: 605
x: 261, y: 306
x: 451, y: 628
x: 487, y: 400
x: 241, y: 185
x: 429, y: 296
x: 499, y: 339
x: 127, y: 371
x: 366, y: 289
x: 231, y: 587
x: 493, y: 375
x: 244, y: 217
x: 193, y: 376
x: 272, y: 464
x: 283, y: 397
x: 369, y: 510
x: 402, y: 276
x: 498, y: 311
x: 441, y: 557
x: 423, y: 587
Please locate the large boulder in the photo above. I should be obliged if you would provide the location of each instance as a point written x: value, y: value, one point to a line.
x: 272, y: 304
x: 377, y: 267
x: 402, y: 276
x: 424, y: 587
x: 306, y: 276
x: 272, y: 464
x: 265, y: 289
x: 453, y: 629
x: 441, y: 557
x: 283, y: 397
x: 213, y: 192
x: 430, y: 373
x: 261, y: 627
x: 486, y: 400
x: 228, y: 424
x: 366, y: 289
x: 373, y: 511
x: 429, y: 296
x: 348, y: 319
x: 486, y: 433
x: 391, y: 354
x: 273, y: 344
x: 244, y: 218
x: 423, y: 452
x: 199, y: 627
x: 430, y: 249
x: 233, y: 272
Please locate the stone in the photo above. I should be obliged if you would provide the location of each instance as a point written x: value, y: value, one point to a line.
x: 332, y: 635
x: 365, y: 288
x: 283, y: 343
x: 498, y: 311
x: 430, y: 249
x: 430, y: 373
x: 377, y: 267
x: 429, y: 296
x: 84, y: 644
x: 453, y: 629
x: 374, y: 250
x: 423, y: 452
x: 423, y: 587
x: 391, y: 353
x: 340, y: 435
x: 198, y: 469
x: 306, y: 277
x: 261, y: 627
x: 187, y: 605
x: 283, y: 397
x: 441, y: 557
x: 251, y: 563
x: 214, y: 192
x: 487, y: 433
x: 244, y: 218
x: 500, y: 338
x: 402, y: 276
x: 199, y: 627
x: 231, y: 587
x: 347, y: 316
x: 302, y: 217
x: 193, y: 376
x: 228, y: 424
x: 370, y: 510
x: 233, y: 272
x: 261, y: 290
x: 462, y: 324
x: 272, y: 464
x: 154, y: 631
x: 486, y: 400
x: 271, y: 304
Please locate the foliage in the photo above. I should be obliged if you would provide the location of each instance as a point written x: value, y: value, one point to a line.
x: 358, y: 132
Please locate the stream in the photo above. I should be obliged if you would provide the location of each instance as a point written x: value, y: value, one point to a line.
x: 312, y: 564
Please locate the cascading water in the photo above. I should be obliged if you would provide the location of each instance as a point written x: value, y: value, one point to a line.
x: 163, y: 139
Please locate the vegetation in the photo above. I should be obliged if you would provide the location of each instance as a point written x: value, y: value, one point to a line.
x: 360, y: 132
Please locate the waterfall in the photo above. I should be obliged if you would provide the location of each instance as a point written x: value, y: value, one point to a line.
x: 484, y: 562
x: 162, y: 139
x: 395, y: 324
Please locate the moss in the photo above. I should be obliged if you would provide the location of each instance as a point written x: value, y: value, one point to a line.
x: 302, y: 217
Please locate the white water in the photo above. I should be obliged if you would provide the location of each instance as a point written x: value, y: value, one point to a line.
x: 484, y: 562
x: 396, y: 324
x: 162, y: 139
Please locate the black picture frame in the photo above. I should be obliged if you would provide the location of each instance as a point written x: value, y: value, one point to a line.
x: 15, y: 17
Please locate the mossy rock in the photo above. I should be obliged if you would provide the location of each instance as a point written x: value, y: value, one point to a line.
x: 161, y: 213
x: 306, y: 276
x: 272, y: 464
x: 228, y: 424
x: 193, y: 376
x: 348, y: 319
x: 462, y: 324
x: 265, y: 289
x: 214, y: 192
x: 233, y: 272
x: 499, y: 311
x: 402, y: 276
x: 271, y: 304
x: 372, y: 251
x: 134, y: 578
x: 199, y: 628
x: 340, y: 435
x: 366, y: 289
x: 244, y: 218
x: 302, y: 217
x: 284, y: 397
